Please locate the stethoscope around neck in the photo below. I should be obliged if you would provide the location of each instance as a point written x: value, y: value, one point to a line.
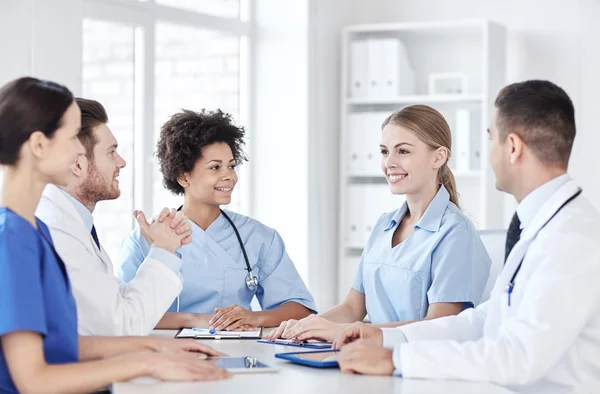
x: 251, y: 279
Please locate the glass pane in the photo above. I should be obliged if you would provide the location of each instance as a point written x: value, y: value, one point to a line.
x: 195, y: 69
x: 108, y: 77
x: 224, y: 8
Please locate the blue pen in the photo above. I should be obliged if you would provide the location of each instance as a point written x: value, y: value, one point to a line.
x: 509, y: 290
x: 203, y: 330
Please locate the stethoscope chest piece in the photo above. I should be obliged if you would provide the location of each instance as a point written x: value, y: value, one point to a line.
x: 251, y: 281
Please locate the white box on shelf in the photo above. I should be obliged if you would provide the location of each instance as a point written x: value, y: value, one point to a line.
x: 397, y: 74
x: 462, y: 130
x: 374, y: 58
x: 358, y: 68
x: 448, y: 83
x: 355, y: 159
x: 354, y: 217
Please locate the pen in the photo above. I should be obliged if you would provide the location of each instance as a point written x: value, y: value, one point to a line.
x: 203, y: 330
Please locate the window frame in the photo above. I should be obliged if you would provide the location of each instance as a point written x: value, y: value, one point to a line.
x: 144, y: 16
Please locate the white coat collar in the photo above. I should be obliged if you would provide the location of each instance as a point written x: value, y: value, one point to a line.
x: 518, y: 252
x: 56, y: 196
x: 549, y: 208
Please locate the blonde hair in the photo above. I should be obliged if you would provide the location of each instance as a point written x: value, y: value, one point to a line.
x: 430, y: 127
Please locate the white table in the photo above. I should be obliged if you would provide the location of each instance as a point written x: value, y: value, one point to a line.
x: 292, y: 378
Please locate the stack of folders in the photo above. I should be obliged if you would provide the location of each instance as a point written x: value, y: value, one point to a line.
x: 379, y: 67
x: 365, y: 203
x: 203, y: 333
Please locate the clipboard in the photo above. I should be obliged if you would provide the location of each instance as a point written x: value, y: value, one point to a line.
x: 302, y: 344
x: 203, y: 333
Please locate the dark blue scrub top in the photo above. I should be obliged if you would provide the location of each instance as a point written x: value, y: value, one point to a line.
x: 35, y: 294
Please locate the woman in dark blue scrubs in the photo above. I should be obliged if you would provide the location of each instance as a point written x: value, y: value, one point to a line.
x: 39, y: 347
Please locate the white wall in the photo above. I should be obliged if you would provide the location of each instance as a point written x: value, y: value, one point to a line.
x: 279, y: 146
x: 41, y: 38
x: 326, y: 21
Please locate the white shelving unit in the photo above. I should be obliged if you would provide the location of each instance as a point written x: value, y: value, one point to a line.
x: 475, y: 48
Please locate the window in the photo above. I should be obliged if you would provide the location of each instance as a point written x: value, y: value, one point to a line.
x: 224, y: 8
x: 195, y: 69
x: 108, y: 77
x: 144, y: 61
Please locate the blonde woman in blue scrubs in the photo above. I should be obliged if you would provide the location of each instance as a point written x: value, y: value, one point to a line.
x: 423, y: 261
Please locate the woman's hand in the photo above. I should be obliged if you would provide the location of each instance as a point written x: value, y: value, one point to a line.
x: 312, y: 327
x: 278, y: 333
x: 180, y: 367
x: 170, y: 345
x: 233, y: 317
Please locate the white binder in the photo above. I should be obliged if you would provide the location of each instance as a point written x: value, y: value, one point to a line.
x: 358, y: 68
x: 371, y: 149
x: 355, y: 159
x: 354, y: 216
x: 374, y: 63
x: 397, y: 74
x: 377, y: 202
x: 463, y: 140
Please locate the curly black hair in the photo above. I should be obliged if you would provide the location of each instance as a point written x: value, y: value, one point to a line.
x: 184, y: 135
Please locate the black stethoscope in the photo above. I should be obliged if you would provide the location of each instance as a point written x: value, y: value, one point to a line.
x: 251, y: 279
x: 511, y: 285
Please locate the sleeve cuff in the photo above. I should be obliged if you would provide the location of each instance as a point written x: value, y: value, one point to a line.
x: 172, y: 261
x: 397, y: 361
x: 393, y: 337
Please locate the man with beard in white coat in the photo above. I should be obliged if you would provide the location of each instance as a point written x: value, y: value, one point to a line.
x: 107, y: 306
x: 540, y: 330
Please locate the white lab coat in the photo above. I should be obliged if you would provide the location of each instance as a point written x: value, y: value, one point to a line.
x: 548, y: 340
x: 105, y: 305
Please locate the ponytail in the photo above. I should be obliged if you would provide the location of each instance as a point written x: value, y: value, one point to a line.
x: 446, y: 178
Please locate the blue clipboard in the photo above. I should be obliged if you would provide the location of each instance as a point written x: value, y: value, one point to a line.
x: 305, y: 345
x: 317, y: 359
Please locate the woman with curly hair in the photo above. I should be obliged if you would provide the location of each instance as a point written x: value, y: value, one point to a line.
x: 198, y: 153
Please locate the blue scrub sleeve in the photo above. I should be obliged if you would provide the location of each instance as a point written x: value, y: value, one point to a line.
x: 134, y: 250
x: 454, y: 276
x: 21, y: 299
x: 279, y: 281
x: 357, y: 283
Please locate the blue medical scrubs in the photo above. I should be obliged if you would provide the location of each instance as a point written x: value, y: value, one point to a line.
x: 443, y: 261
x: 214, y: 271
x: 35, y: 293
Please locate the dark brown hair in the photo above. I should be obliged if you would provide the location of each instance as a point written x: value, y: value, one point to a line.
x: 430, y: 127
x: 184, y: 135
x: 542, y: 114
x: 28, y: 105
x: 93, y: 114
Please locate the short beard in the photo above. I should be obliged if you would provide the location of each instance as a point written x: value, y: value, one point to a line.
x: 95, y: 189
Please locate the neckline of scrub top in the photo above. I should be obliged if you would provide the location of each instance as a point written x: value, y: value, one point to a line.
x: 216, y: 225
x: 431, y: 219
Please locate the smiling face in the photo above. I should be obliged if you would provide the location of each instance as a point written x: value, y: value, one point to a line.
x: 103, y: 169
x: 408, y: 163
x: 213, y: 177
x: 62, y: 149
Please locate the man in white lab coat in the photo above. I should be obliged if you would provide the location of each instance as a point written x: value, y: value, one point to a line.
x: 105, y: 305
x: 540, y: 330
